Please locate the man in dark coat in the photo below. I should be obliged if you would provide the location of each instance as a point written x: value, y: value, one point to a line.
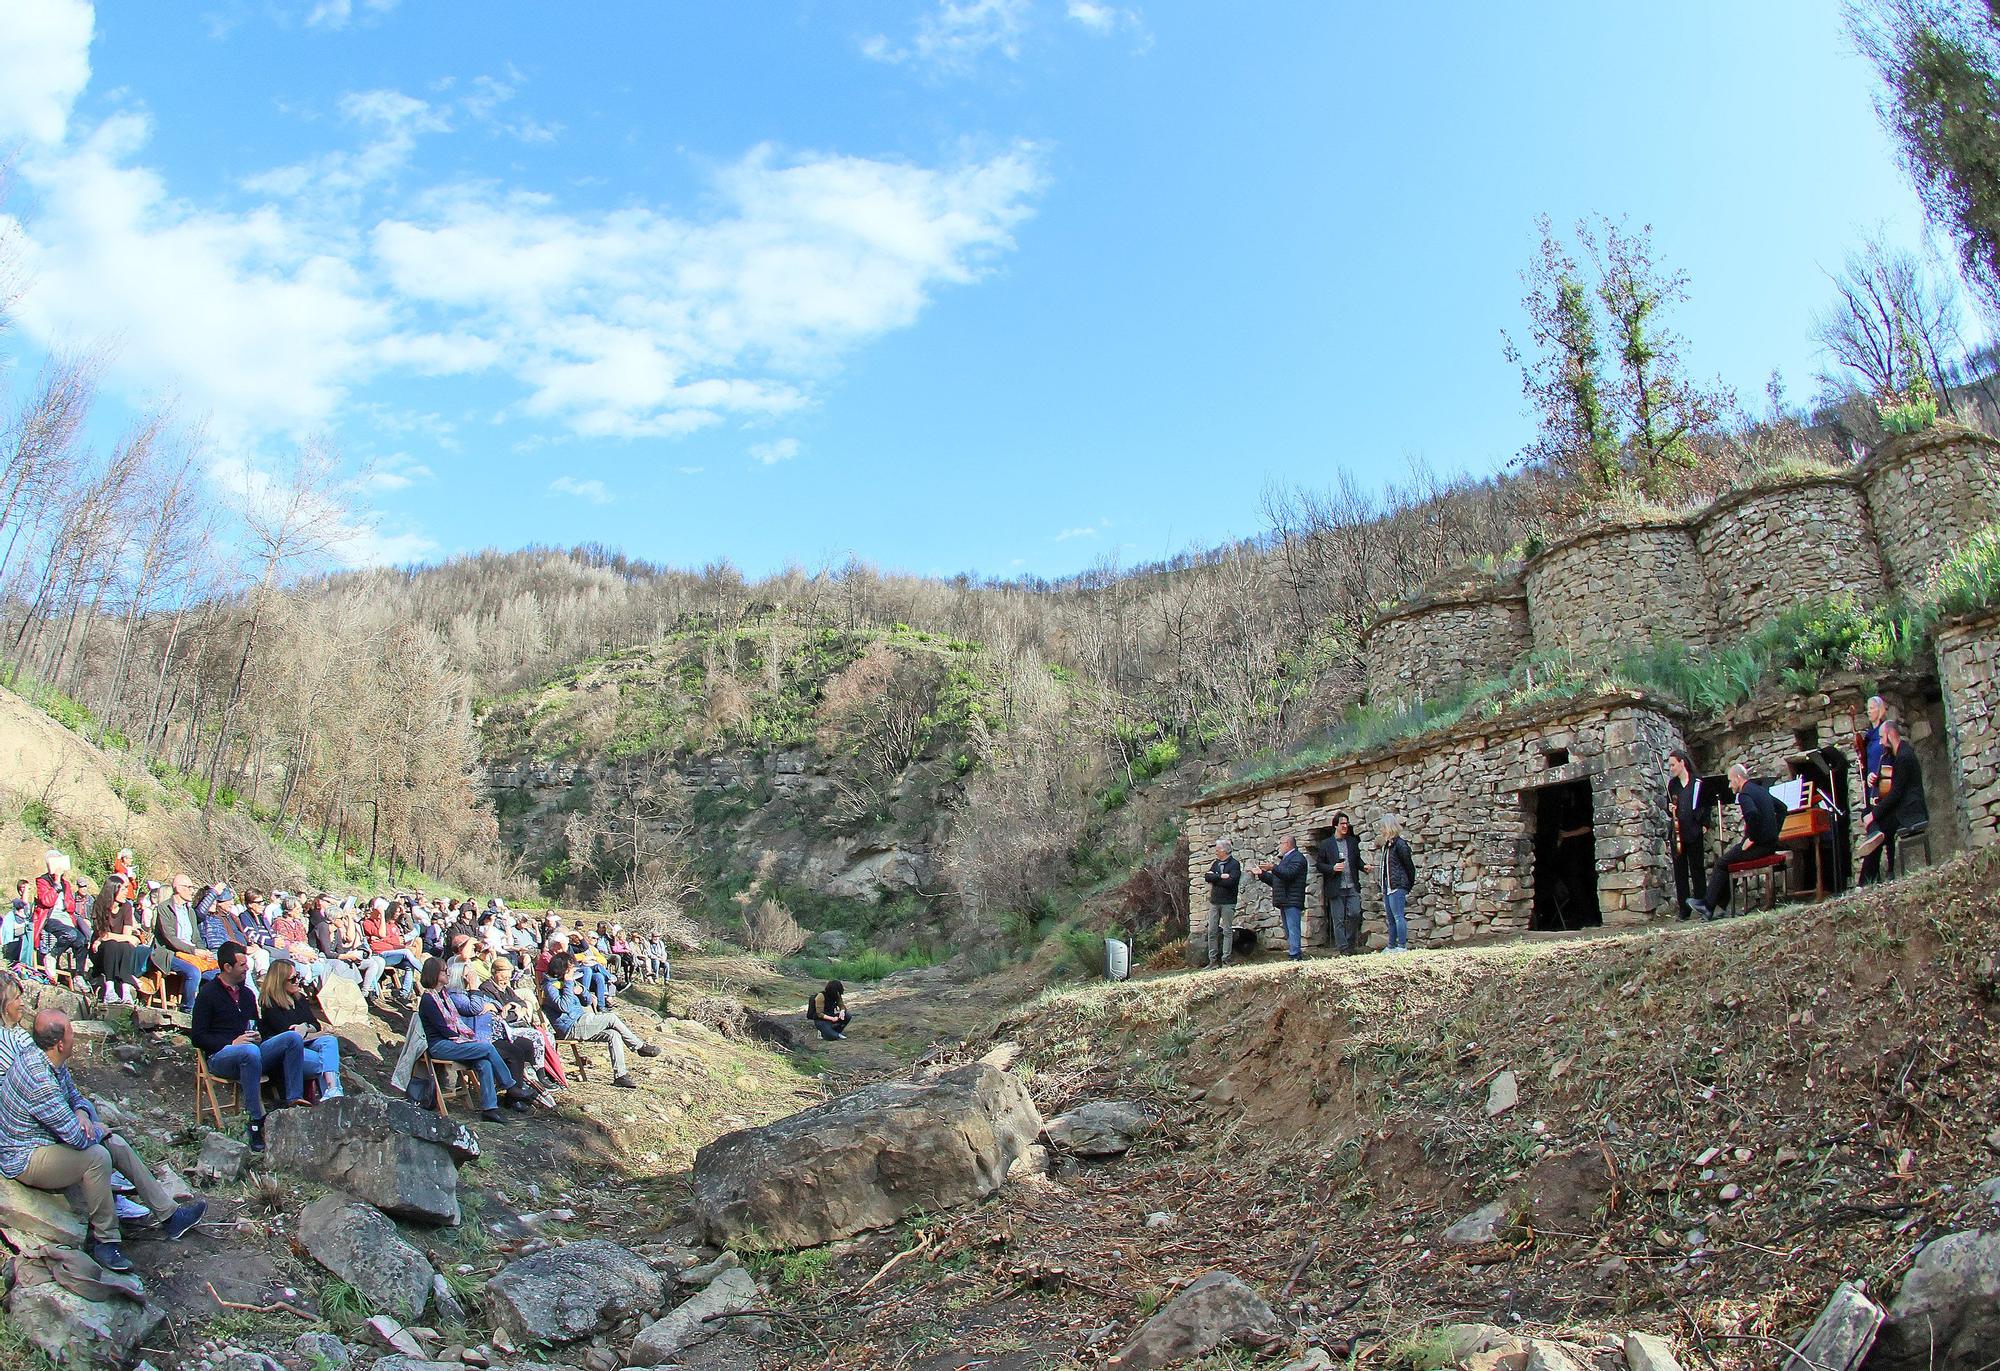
x: 1225, y: 880
x: 1763, y: 820
x: 1688, y: 819
x: 1288, y: 878
x: 1899, y: 803
x: 1341, y: 867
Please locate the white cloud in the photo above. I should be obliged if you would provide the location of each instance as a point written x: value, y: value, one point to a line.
x: 357, y: 537
x: 776, y: 451
x: 44, y: 66
x: 591, y: 490
x: 1090, y: 14
x: 1081, y: 531
x: 397, y: 472
x: 954, y: 34
x: 338, y: 14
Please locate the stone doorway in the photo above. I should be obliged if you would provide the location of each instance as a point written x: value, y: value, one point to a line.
x: 1565, y: 858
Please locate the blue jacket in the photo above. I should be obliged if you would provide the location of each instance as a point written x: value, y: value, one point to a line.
x: 562, y: 1006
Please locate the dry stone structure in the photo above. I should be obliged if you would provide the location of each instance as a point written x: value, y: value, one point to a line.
x: 1554, y: 816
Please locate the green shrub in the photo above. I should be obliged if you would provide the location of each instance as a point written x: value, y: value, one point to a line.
x: 1085, y: 948
x: 1910, y: 416
x: 869, y: 964
x: 1113, y: 797
x: 1968, y: 582
x: 39, y: 819
x: 1163, y: 755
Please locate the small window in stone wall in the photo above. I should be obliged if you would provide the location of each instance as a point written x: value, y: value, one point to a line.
x: 1328, y: 799
x: 1555, y: 756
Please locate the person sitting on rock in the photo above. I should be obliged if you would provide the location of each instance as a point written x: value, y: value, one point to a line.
x: 827, y: 1011
x: 286, y: 1007
x: 225, y: 1032
x: 570, y: 1020
x: 50, y: 1139
x: 448, y: 1038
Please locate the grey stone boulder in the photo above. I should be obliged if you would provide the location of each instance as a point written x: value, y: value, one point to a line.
x: 695, y: 1319
x: 864, y: 1160
x: 316, y: 1348
x: 565, y: 1293
x: 1101, y: 1128
x: 386, y: 1152
x: 74, y: 1331
x: 1947, y: 1312
x: 30, y: 1217
x: 222, y: 1159
x: 357, y: 1243
x: 1488, y: 1223
x: 1216, y: 1309
x: 397, y: 1361
x: 1463, y: 1341
x: 1649, y: 1352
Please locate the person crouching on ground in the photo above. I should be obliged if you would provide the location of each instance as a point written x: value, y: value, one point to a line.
x: 1288, y: 878
x: 569, y: 1018
x: 827, y: 1011
x: 447, y: 1039
x: 50, y: 1139
x: 225, y: 1031
x: 286, y: 1008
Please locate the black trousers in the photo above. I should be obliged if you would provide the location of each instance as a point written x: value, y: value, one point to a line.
x: 1687, y: 875
x: 1718, y: 875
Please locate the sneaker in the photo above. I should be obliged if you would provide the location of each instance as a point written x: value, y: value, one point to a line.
x: 110, y: 1256
x: 649, y: 1051
x: 184, y: 1219
x: 256, y: 1135
x: 625, y: 1083
x: 331, y: 1092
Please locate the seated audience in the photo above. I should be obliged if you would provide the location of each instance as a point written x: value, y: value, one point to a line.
x: 180, y: 930
x: 120, y: 950
x: 448, y: 1038
x: 387, y: 941
x: 225, y: 1032
x: 827, y: 1011
x: 288, y: 1008
x: 58, y: 934
x: 14, y: 1035
x: 50, y: 1139
x: 571, y: 1020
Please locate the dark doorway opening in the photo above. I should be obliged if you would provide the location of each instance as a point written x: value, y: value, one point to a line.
x: 1565, y: 859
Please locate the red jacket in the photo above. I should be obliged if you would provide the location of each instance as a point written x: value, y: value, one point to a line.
x: 49, y: 891
x: 382, y: 933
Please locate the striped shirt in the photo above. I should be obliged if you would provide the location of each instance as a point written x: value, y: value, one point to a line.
x: 13, y: 1042
x: 38, y: 1106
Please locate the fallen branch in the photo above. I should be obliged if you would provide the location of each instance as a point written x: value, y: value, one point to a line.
x: 279, y: 1308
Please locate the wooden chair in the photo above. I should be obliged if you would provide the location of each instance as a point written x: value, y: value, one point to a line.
x: 205, y: 1099
x: 1746, y: 876
x: 464, y: 1082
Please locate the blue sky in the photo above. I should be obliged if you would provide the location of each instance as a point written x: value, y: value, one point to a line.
x: 1003, y: 286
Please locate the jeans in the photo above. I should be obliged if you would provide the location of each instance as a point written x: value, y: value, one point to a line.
x: 191, y: 979
x: 397, y: 958
x: 64, y: 944
x: 1221, y: 933
x: 322, y: 1057
x: 1295, y: 919
x: 1343, y: 918
x: 483, y: 1058
x: 596, y: 985
x: 58, y: 1168
x: 612, y: 1030
x: 249, y: 1063
x: 831, y: 1029
x: 1399, y: 929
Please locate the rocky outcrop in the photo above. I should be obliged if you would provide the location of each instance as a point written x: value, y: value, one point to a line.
x: 865, y: 1160
x: 1947, y: 1313
x: 30, y: 1216
x: 74, y: 1331
x: 570, y: 1292
x: 694, y: 1320
x: 1217, y: 1309
x: 359, y: 1245
x: 401, y: 1159
x: 1101, y: 1128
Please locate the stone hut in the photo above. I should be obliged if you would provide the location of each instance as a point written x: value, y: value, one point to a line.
x: 1968, y: 659
x: 1544, y: 819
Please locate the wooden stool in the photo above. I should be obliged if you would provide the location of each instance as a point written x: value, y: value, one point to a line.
x: 1914, y: 833
x: 463, y: 1079
x: 205, y: 1082
x: 1745, y: 876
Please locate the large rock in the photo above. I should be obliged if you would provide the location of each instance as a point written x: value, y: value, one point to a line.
x: 1101, y: 1128
x: 341, y: 999
x: 1948, y: 1308
x: 1486, y: 1224
x: 573, y: 1291
x: 864, y: 1160
x: 359, y: 1245
x: 689, y: 1323
x: 1216, y: 1309
x: 222, y: 1159
x: 1649, y: 1352
x: 31, y: 1217
x: 74, y: 1331
x: 401, y: 1159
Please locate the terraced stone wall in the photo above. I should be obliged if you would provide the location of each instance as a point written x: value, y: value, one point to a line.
x: 1927, y: 494
x: 1968, y: 657
x: 1765, y: 551
x: 1429, y: 647
x: 1610, y: 589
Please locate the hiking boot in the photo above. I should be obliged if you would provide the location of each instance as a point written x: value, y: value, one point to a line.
x: 110, y: 1256
x: 625, y: 1083
x: 256, y: 1135
x: 184, y: 1219
x: 649, y: 1051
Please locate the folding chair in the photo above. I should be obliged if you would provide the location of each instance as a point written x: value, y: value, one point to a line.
x: 205, y: 1082
x: 463, y: 1083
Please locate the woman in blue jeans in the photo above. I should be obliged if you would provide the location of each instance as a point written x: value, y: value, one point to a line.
x: 282, y: 1007
x: 1399, y: 874
x: 448, y: 1039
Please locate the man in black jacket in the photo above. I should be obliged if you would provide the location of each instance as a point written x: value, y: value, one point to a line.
x: 225, y: 1032
x: 1763, y: 819
x: 1288, y: 878
x: 1688, y: 821
x: 1341, y: 868
x: 1899, y: 804
x: 1225, y: 879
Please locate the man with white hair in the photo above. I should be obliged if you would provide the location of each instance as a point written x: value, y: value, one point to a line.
x: 1763, y: 819
x: 1225, y: 880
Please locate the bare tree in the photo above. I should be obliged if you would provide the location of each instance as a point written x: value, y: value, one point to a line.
x: 1889, y: 310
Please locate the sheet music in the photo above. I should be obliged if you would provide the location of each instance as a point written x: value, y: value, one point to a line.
x: 1791, y: 794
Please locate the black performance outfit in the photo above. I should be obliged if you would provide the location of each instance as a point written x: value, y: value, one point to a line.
x: 1902, y: 806
x: 1763, y: 819
x: 1690, y: 825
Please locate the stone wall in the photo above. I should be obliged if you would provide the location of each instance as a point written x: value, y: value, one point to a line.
x: 1610, y: 589
x: 1767, y: 550
x: 1466, y: 799
x: 1968, y: 657
x: 1928, y: 493
x: 1430, y: 646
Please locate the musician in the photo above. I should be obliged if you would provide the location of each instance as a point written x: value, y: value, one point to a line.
x: 1763, y: 819
x: 1869, y: 745
x: 1900, y: 805
x: 1684, y: 796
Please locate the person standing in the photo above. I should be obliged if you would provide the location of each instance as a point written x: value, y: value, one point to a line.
x: 1687, y: 819
x: 1399, y: 877
x: 1288, y: 878
x: 1869, y: 744
x: 1763, y: 819
x: 1225, y: 880
x: 1341, y: 866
